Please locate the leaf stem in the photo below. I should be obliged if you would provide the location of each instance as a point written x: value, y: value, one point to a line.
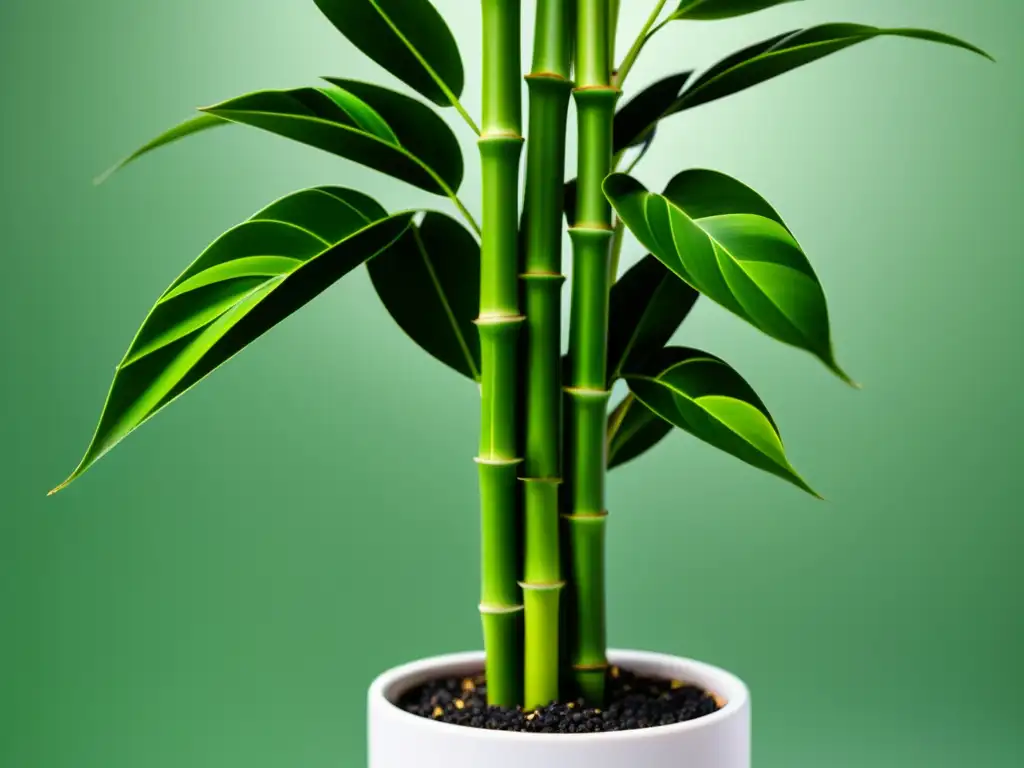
x: 461, y: 110
x: 646, y: 32
x: 464, y: 211
x: 617, y: 238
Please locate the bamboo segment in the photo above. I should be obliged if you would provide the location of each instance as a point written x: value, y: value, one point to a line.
x: 587, y: 394
x: 499, y: 326
x: 542, y: 593
x: 541, y: 637
x: 588, y: 418
x: 500, y: 606
x: 590, y: 662
x: 549, y: 89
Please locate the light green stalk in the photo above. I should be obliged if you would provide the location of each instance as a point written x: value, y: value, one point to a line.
x: 499, y: 322
x: 646, y: 32
x: 549, y: 87
x: 588, y: 348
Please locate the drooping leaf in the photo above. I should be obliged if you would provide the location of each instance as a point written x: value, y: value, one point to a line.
x: 648, y: 304
x: 726, y: 241
x: 702, y: 395
x: 193, y: 125
x: 778, y: 55
x: 247, y: 281
x: 429, y: 280
x: 638, y: 119
x: 633, y: 429
x: 409, y: 38
x: 415, y: 145
x: 709, y: 10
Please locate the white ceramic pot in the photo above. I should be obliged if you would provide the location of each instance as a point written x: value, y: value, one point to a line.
x: 401, y: 740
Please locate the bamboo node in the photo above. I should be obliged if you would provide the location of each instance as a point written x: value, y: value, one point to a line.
x: 495, y: 319
x: 585, y: 516
x: 553, y: 586
x: 584, y: 393
x: 495, y: 136
x: 496, y: 461
x: 493, y: 609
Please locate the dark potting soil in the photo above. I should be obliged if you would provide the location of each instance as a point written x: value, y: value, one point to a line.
x: 632, y: 702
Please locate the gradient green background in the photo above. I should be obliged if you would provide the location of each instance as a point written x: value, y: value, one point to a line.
x: 220, y: 590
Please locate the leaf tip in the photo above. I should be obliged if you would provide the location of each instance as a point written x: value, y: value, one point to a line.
x: 803, y: 485
x: 843, y: 375
x: 60, y: 487
x: 98, y: 180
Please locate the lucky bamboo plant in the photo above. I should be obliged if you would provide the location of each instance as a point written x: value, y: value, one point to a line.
x: 485, y: 297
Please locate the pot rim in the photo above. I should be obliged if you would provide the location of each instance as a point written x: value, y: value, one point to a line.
x: 393, y: 683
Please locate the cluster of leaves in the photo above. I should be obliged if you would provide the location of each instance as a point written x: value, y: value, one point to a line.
x: 707, y: 234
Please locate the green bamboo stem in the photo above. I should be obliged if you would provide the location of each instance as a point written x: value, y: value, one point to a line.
x: 499, y: 323
x: 588, y: 348
x: 549, y: 87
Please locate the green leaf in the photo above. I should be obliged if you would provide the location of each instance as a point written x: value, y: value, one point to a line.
x: 709, y: 10
x: 635, y: 123
x: 778, y: 55
x: 702, y: 395
x: 193, y: 125
x: 247, y: 281
x: 409, y: 38
x: 648, y: 304
x: 429, y: 281
x: 633, y: 429
x: 378, y: 128
x: 727, y: 242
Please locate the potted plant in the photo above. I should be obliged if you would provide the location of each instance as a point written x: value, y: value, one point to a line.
x: 483, y: 296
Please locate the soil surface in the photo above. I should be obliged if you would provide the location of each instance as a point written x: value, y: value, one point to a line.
x: 632, y: 702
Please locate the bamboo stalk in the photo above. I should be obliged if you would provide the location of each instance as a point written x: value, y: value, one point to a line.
x: 499, y: 322
x: 588, y: 348
x: 549, y: 86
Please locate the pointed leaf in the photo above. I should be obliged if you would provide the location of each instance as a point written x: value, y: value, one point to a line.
x: 771, y: 58
x: 648, y: 304
x: 429, y: 280
x: 637, y: 120
x: 726, y: 241
x: 247, y: 281
x: 193, y: 125
x: 633, y: 429
x: 417, y: 147
x: 709, y: 10
x: 409, y: 38
x: 702, y: 395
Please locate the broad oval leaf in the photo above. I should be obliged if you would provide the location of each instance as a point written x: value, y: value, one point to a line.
x: 778, y: 55
x: 710, y: 10
x: 409, y: 38
x: 633, y: 429
x: 429, y: 281
x: 414, y: 145
x: 648, y: 304
x: 702, y: 395
x: 247, y: 281
x: 727, y: 242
